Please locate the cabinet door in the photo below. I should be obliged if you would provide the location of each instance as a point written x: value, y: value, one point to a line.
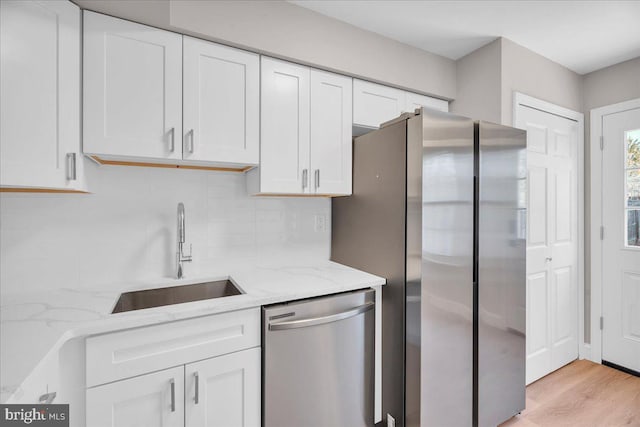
x: 224, y: 391
x: 374, y: 104
x: 415, y: 100
x: 152, y: 400
x: 284, y: 143
x: 40, y: 87
x: 221, y: 103
x: 132, y: 89
x: 331, y: 120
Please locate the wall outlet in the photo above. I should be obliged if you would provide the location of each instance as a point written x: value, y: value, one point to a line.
x: 320, y: 223
x: 391, y: 422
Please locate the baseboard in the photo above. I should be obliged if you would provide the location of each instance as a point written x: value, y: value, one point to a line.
x: 584, y: 352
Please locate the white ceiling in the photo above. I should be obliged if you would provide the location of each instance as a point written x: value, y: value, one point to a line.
x: 581, y: 35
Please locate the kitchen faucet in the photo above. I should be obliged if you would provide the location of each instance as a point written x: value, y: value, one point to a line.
x: 180, y: 256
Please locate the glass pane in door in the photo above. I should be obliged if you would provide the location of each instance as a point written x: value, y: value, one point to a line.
x: 632, y: 187
x: 632, y: 139
x: 633, y: 227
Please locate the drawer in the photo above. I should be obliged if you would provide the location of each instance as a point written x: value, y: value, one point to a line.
x: 125, y: 354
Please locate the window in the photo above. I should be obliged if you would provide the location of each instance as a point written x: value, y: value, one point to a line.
x: 632, y: 187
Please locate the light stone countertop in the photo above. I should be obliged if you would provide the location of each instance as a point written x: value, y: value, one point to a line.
x: 35, y: 325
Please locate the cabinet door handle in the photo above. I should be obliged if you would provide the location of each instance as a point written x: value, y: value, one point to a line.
x: 191, y: 141
x: 71, y: 167
x: 305, y: 178
x: 173, y: 395
x: 172, y: 139
x: 317, y: 178
x: 196, y: 398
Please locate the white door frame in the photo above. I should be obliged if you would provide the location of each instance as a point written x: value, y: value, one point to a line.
x: 547, y: 107
x: 597, y: 115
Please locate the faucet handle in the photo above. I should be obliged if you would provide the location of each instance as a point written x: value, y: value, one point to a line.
x: 189, y: 257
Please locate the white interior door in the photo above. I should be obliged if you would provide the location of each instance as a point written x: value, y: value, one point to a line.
x: 552, y: 250
x: 621, y: 239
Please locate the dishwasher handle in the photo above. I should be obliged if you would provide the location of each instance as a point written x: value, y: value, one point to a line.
x: 313, y: 321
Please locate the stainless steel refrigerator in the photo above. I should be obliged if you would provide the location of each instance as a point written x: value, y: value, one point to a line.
x: 439, y: 209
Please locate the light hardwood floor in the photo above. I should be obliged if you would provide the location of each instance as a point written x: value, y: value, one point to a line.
x: 581, y: 394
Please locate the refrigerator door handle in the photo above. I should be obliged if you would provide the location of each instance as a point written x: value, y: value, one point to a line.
x: 303, y: 323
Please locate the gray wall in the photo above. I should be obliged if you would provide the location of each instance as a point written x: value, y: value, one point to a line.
x: 294, y: 33
x: 487, y: 78
x: 617, y: 83
x: 527, y: 72
x: 478, y: 76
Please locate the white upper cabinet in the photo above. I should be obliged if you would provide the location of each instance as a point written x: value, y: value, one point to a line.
x: 305, y: 145
x: 284, y: 142
x: 40, y: 95
x: 415, y: 100
x: 331, y: 146
x: 132, y: 89
x: 221, y: 103
x: 374, y: 104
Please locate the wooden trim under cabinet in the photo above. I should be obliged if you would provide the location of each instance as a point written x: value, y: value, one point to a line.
x: 102, y: 161
x: 39, y: 190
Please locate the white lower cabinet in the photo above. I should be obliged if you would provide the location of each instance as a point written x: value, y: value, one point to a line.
x: 224, y: 391
x: 151, y: 400
x: 197, y: 372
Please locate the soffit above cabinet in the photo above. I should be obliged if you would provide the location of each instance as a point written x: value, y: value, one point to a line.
x: 338, y: 46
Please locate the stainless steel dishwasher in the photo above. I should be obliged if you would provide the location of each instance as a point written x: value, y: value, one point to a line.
x: 318, y: 361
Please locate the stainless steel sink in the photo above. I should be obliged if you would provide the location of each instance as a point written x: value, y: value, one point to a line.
x: 148, y: 298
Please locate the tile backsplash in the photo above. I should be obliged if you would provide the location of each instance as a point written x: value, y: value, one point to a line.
x: 126, y: 229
